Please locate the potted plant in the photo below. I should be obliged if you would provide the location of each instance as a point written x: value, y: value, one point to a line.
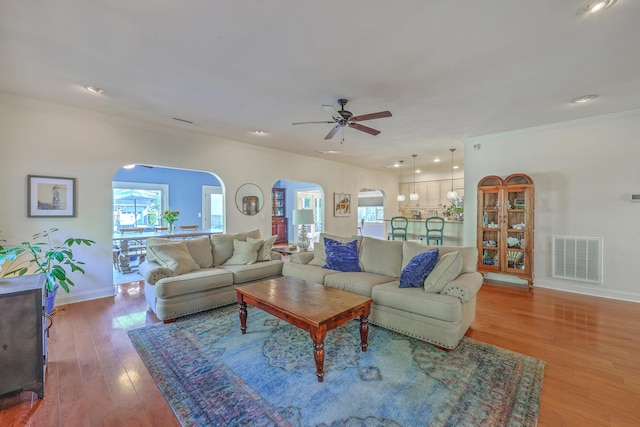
x: 41, y: 255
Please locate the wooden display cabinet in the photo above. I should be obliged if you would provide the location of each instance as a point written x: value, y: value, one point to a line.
x: 279, y: 222
x: 506, y: 226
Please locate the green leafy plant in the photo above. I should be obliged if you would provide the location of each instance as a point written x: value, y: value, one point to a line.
x: 41, y: 253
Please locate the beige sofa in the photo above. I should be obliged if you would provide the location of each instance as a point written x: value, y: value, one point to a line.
x: 441, y: 315
x: 192, y: 275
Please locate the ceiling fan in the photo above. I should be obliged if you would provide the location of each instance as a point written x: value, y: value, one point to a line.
x: 343, y: 118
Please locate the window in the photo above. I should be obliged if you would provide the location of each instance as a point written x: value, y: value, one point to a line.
x: 138, y: 204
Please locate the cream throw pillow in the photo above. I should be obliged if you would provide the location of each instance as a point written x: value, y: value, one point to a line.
x: 175, y: 257
x: 448, y: 268
x: 223, y: 244
x: 264, y: 251
x: 244, y: 252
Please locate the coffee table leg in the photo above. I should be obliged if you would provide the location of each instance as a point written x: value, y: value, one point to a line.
x: 318, y: 352
x: 364, y: 332
x: 243, y: 315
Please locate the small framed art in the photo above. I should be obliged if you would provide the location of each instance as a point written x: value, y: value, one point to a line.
x: 49, y: 196
x: 341, y: 204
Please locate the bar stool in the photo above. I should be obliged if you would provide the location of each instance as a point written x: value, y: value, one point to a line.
x: 434, y: 226
x: 399, y: 226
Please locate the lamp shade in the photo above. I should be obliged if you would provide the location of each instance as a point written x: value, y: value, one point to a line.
x: 302, y: 216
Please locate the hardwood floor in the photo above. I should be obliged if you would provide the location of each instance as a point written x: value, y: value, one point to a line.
x: 591, y: 347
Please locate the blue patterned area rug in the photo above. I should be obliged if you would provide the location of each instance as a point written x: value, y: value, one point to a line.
x: 212, y: 375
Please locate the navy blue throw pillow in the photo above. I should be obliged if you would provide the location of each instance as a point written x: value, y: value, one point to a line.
x: 341, y: 256
x: 414, y: 274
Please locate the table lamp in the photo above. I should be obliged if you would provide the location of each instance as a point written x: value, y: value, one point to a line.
x: 302, y: 217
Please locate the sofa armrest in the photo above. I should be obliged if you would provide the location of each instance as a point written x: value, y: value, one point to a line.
x: 465, y: 286
x: 275, y: 255
x: 153, y: 272
x: 301, y: 257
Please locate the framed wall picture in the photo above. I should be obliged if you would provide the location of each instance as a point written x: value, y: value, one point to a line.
x: 341, y: 204
x: 49, y: 196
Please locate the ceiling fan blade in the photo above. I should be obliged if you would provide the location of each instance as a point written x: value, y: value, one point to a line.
x: 331, y: 110
x: 306, y: 123
x: 364, y: 128
x: 332, y: 132
x: 378, y: 115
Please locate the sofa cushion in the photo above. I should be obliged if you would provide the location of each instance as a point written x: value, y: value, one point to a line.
x: 196, y: 281
x: 264, y: 251
x: 341, y: 256
x: 244, y: 252
x: 223, y: 244
x: 199, y: 248
x: 310, y: 273
x: 174, y: 256
x: 469, y: 256
x: 155, y: 241
x: 381, y: 256
x: 359, y: 283
x: 257, y: 271
x: 414, y: 274
x: 414, y: 300
x: 448, y: 268
x: 319, y: 253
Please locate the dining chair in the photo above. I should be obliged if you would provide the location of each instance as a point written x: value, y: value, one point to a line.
x: 434, y: 226
x: 160, y: 228
x: 361, y: 226
x: 399, y: 226
x: 188, y: 227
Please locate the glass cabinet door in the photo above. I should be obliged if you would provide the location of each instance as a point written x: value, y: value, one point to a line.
x: 491, y: 233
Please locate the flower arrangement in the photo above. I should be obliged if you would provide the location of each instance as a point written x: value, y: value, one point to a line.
x: 170, y: 216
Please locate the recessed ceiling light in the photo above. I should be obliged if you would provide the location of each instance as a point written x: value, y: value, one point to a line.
x: 327, y: 152
x: 418, y: 171
x: 456, y: 167
x: 259, y: 132
x: 131, y: 166
x: 583, y: 99
x: 94, y: 89
x: 436, y: 160
x: 595, y: 7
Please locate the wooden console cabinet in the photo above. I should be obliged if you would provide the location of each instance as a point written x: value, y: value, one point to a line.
x: 505, y: 226
x: 23, y: 335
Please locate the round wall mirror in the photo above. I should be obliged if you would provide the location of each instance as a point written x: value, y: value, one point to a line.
x: 249, y: 199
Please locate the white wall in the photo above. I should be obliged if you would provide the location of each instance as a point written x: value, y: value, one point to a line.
x: 46, y: 139
x: 584, y: 173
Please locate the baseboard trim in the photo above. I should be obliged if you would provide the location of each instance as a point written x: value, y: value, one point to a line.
x: 73, y: 297
x: 584, y: 290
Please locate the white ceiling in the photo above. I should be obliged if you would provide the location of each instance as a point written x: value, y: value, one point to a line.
x: 446, y: 69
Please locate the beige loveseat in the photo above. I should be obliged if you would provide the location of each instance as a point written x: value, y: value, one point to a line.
x: 441, y: 315
x: 192, y: 275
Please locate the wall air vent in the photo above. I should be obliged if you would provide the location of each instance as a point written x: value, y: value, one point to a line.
x: 577, y: 258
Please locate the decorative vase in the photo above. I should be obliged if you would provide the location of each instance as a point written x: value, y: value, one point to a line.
x: 51, y: 299
x: 171, y: 227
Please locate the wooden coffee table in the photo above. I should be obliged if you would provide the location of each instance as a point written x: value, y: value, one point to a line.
x: 309, y: 306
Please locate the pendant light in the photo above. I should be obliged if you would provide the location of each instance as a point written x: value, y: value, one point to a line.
x: 414, y: 196
x: 452, y: 195
x: 400, y: 195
